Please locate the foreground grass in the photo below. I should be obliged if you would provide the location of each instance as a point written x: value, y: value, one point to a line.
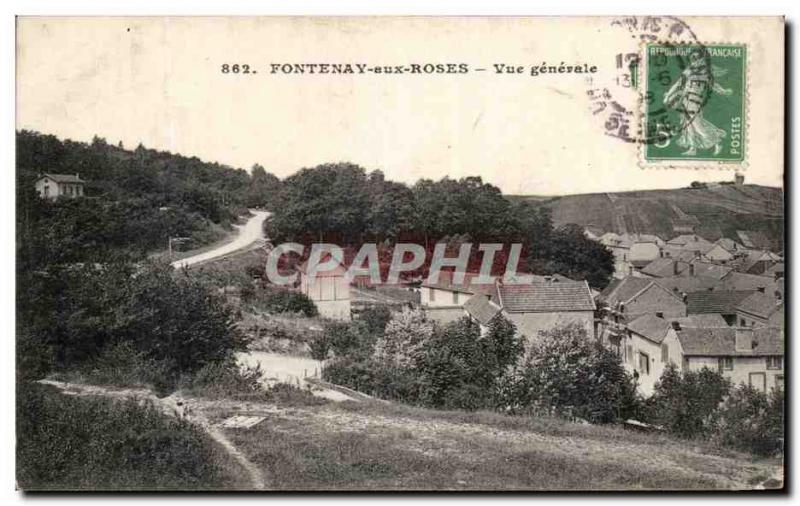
x: 369, y: 446
x: 70, y: 443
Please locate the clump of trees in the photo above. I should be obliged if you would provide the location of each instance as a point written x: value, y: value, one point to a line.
x: 569, y: 374
x: 343, y: 204
x: 704, y: 405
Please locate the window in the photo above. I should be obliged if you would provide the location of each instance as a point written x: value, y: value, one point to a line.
x: 455, y: 297
x: 742, y: 322
x: 664, y: 353
x: 775, y: 362
x: 659, y: 314
x: 644, y: 363
x: 725, y: 364
x: 46, y: 191
x: 779, y: 381
x: 758, y: 380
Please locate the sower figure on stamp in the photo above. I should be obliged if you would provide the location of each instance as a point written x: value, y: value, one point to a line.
x: 687, y: 97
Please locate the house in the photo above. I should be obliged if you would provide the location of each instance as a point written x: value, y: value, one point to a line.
x: 755, y: 261
x: 707, y: 321
x: 737, y: 281
x: 52, y: 186
x: 443, y: 301
x: 691, y: 242
x: 330, y: 291
x: 646, y: 348
x: 642, y: 253
x: 632, y: 297
x: 760, y: 310
x: 751, y: 356
x: 592, y: 232
x: 541, y: 306
x: 722, y: 302
x: 682, y: 285
x: 719, y: 253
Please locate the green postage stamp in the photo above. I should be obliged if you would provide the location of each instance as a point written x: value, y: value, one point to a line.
x: 695, y: 103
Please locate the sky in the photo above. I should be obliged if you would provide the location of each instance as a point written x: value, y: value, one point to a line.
x: 159, y: 82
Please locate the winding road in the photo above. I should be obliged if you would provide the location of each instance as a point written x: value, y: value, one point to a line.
x: 249, y: 233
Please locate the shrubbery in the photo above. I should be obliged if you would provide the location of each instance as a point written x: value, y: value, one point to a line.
x: 68, y: 443
x: 566, y: 373
x: 278, y: 300
x: 704, y: 405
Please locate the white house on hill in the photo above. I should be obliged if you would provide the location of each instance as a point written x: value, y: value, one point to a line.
x: 52, y: 186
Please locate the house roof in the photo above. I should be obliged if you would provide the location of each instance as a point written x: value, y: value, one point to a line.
x: 546, y: 297
x: 468, y: 285
x: 622, y: 290
x: 338, y: 271
x: 753, y: 239
x: 761, y: 305
x: 722, y: 302
x: 710, y: 269
x: 650, y: 326
x: 722, y: 341
x: 63, y: 178
x: 663, y: 267
x: 481, y: 308
x: 742, y: 281
x: 728, y: 244
x: 684, y: 239
x: 708, y: 320
x: 687, y: 284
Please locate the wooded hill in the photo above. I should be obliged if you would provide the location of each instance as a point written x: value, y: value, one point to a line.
x: 712, y: 211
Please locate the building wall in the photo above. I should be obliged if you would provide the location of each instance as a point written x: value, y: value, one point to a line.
x: 434, y: 297
x: 331, y: 295
x: 644, y: 251
x: 58, y: 189
x: 634, y: 345
x: 655, y: 300
x: 531, y: 324
x: 742, y: 368
x: 444, y: 314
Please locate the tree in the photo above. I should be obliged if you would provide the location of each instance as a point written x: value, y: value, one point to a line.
x: 570, y: 374
x: 403, y: 340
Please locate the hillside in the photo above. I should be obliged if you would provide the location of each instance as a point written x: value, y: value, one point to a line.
x: 712, y: 212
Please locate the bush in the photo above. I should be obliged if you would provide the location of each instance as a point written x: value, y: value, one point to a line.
x: 750, y: 420
x: 225, y: 380
x: 68, y: 443
x: 401, y: 344
x: 572, y: 376
x: 684, y: 403
x: 278, y: 300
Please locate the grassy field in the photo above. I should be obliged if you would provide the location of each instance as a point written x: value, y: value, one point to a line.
x: 366, y: 446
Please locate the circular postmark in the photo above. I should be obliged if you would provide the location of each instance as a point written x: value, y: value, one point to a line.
x: 659, y: 87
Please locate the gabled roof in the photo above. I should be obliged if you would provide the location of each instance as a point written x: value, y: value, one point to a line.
x: 622, y: 290
x: 760, y: 305
x: 481, y: 308
x: 468, y: 285
x: 663, y: 267
x: 546, y: 297
x: 708, y: 321
x: 722, y: 341
x: 722, y: 302
x: 709, y: 269
x: 62, y: 178
x: 742, y: 281
x: 728, y: 244
x: 753, y: 239
x: 687, y: 284
x: 684, y: 239
x: 650, y: 326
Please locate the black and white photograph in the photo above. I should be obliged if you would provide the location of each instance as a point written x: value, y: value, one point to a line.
x: 400, y: 253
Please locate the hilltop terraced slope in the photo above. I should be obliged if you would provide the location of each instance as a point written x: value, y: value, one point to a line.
x: 712, y: 212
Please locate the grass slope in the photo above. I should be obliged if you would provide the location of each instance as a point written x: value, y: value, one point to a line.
x: 370, y: 446
x: 714, y: 212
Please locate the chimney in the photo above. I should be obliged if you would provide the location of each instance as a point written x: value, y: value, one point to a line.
x: 675, y: 268
x: 676, y: 325
x: 744, y: 339
x: 691, y: 269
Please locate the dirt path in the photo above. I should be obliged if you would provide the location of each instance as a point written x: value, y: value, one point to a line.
x: 174, y: 405
x: 456, y: 440
x: 249, y: 233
